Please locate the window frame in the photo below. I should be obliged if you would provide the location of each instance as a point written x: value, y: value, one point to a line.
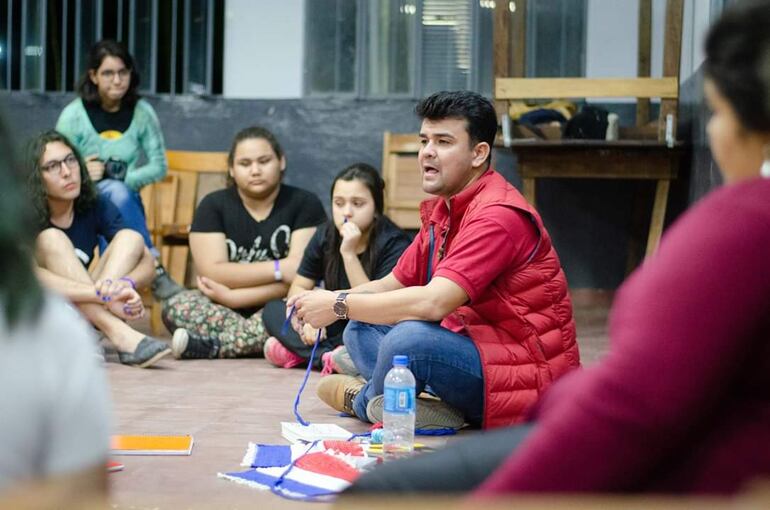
x: 361, y: 67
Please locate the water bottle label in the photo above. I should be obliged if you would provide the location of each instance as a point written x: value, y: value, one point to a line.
x: 399, y: 400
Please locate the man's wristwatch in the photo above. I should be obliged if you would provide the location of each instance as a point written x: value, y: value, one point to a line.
x: 277, y: 270
x: 341, y: 306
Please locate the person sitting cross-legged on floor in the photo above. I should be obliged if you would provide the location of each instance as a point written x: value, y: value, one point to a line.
x: 482, y: 265
x: 246, y: 241
x: 71, y: 216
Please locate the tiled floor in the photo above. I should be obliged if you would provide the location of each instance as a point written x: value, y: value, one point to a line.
x: 225, y: 404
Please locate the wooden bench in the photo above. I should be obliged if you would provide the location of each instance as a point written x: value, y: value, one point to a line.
x: 170, y: 205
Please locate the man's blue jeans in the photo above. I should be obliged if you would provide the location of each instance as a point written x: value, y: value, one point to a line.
x: 447, y: 362
x: 129, y: 203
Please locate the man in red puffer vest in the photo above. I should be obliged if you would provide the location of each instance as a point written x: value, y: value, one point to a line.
x: 479, y: 301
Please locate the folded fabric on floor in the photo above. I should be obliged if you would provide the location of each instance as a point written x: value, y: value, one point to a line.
x: 319, y: 470
x: 268, y: 455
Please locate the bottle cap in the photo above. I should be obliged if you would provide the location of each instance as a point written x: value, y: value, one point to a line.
x: 400, y: 360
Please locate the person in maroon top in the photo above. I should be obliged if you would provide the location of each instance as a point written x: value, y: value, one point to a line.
x: 681, y: 404
x: 478, y: 301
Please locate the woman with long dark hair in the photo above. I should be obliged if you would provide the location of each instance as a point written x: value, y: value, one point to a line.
x: 358, y: 244
x: 70, y: 218
x: 113, y: 128
x: 681, y: 403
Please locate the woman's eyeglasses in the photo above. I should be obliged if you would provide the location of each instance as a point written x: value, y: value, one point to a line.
x: 55, y: 166
x: 109, y: 74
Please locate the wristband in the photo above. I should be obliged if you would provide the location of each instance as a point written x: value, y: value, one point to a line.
x: 277, y: 270
x: 129, y: 280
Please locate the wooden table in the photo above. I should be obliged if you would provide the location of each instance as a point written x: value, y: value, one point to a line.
x: 600, y: 159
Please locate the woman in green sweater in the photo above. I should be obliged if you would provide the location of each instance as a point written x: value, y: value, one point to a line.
x: 112, y: 127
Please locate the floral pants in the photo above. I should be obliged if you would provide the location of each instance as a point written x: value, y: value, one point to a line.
x: 238, y: 336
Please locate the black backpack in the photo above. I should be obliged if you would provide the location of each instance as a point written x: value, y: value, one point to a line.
x: 590, y: 123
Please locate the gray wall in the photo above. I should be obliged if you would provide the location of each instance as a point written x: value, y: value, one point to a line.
x: 589, y: 220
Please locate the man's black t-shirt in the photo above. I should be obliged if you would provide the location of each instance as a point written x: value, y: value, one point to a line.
x: 103, y: 219
x: 105, y: 122
x: 390, y: 243
x: 249, y: 240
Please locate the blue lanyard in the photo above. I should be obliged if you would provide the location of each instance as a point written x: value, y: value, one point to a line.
x: 284, y: 330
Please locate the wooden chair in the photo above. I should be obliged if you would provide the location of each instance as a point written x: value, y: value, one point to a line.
x: 170, y: 205
x: 624, y: 159
x: 403, y: 182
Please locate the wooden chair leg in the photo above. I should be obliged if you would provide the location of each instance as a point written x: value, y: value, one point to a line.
x: 156, y: 323
x: 658, y: 215
x: 529, y: 189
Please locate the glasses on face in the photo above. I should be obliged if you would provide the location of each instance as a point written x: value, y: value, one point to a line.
x: 109, y: 74
x: 55, y: 166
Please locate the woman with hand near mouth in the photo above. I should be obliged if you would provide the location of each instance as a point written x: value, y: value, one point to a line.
x: 358, y: 244
x: 246, y: 241
x: 71, y: 217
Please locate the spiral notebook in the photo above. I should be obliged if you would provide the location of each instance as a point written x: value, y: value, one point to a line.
x: 151, y: 445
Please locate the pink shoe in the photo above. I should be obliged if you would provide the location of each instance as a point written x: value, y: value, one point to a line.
x: 279, y: 355
x: 338, y: 361
x: 327, y: 364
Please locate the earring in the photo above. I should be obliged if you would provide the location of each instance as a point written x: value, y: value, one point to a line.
x: 764, y: 170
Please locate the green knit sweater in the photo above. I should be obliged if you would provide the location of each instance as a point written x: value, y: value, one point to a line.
x: 142, y: 136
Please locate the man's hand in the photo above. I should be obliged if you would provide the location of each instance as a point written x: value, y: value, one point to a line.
x: 315, y: 307
x: 351, y: 234
x: 95, y: 167
x: 215, y: 291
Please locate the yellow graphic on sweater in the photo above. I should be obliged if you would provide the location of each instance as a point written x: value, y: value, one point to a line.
x: 111, y: 134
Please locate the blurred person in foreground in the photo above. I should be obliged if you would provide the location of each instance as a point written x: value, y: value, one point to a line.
x: 54, y: 405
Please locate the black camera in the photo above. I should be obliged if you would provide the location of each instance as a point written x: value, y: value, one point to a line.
x: 115, y: 169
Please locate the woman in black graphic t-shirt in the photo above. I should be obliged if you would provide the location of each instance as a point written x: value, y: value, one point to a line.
x: 247, y: 242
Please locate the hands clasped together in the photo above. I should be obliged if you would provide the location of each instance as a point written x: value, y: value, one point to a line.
x: 120, y: 297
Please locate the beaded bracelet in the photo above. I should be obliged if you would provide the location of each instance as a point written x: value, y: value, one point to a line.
x: 129, y: 280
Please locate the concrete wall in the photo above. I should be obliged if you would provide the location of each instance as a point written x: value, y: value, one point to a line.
x: 589, y: 220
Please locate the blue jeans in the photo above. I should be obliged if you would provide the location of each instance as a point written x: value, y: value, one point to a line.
x: 129, y: 203
x: 447, y: 362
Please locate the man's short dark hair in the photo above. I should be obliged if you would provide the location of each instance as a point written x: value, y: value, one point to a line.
x: 475, y: 109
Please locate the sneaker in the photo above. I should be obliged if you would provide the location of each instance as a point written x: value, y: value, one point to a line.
x: 338, y: 361
x: 430, y: 413
x: 278, y: 355
x: 339, y: 391
x: 163, y: 286
x: 146, y: 354
x: 186, y: 346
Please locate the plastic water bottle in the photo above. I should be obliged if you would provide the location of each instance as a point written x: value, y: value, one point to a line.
x: 399, y: 410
